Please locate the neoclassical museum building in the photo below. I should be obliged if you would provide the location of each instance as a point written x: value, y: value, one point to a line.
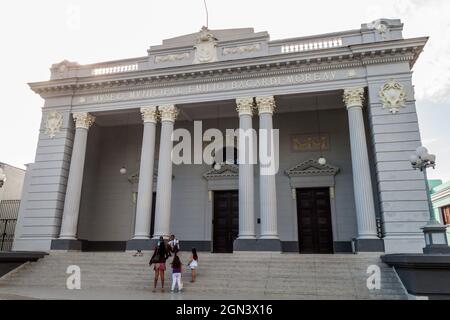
x: 104, y: 180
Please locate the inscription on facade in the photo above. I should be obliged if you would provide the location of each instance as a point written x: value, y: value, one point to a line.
x: 310, y: 142
x: 211, y: 87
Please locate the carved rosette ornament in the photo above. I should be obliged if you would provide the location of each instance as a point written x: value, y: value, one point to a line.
x: 266, y: 104
x: 168, y: 113
x: 354, y: 97
x: 149, y: 114
x: 393, y: 96
x: 53, y: 124
x: 245, y: 106
x: 83, y: 120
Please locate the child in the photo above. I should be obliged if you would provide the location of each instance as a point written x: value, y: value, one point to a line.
x: 174, y: 244
x: 176, y: 273
x: 193, y: 264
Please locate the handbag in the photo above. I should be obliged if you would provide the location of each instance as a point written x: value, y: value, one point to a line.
x: 154, y: 259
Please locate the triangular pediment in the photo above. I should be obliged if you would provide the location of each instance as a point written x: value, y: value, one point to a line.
x: 226, y: 171
x: 134, y: 178
x: 312, y: 168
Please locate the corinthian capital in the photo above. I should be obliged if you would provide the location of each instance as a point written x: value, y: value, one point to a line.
x: 149, y: 114
x: 354, y: 97
x: 168, y: 113
x: 83, y: 120
x: 266, y: 104
x: 245, y: 106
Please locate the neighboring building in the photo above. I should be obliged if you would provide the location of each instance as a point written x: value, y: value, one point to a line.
x: 345, y: 96
x: 440, y: 196
x: 11, y: 184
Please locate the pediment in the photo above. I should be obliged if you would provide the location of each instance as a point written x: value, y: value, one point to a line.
x: 312, y: 168
x: 134, y: 178
x: 225, y: 172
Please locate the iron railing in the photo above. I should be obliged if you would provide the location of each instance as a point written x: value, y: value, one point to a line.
x: 7, y: 227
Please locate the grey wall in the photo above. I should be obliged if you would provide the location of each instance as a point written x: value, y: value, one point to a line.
x: 44, y: 189
x: 402, y: 190
x: 107, y: 208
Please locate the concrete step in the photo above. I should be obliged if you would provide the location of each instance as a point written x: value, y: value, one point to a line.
x: 278, y: 275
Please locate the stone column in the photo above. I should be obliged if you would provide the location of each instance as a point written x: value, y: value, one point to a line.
x: 362, y: 181
x: 164, y: 188
x: 269, y: 239
x: 247, y: 234
x: 146, y: 172
x: 83, y: 121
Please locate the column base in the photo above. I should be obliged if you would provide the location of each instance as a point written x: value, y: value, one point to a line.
x: 437, y: 249
x: 269, y: 245
x: 369, y: 245
x: 67, y: 245
x: 244, y: 245
x: 141, y: 244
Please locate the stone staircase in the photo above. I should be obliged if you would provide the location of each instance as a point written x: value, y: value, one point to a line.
x: 247, y: 275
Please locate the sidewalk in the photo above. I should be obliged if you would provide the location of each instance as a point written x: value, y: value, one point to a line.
x: 43, y: 293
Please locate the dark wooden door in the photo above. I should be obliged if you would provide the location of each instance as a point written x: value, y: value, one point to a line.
x: 315, y: 233
x: 446, y: 215
x: 226, y: 221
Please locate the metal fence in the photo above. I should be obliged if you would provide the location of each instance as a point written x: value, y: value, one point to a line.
x: 7, y: 227
x: 9, y: 210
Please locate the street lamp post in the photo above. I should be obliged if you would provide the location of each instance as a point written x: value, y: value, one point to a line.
x: 435, y: 232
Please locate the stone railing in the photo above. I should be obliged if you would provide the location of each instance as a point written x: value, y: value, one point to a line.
x: 313, y: 44
x: 115, y: 69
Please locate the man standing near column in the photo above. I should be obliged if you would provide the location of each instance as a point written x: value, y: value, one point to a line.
x: 247, y: 234
x: 269, y: 239
x: 362, y: 182
x: 142, y: 226
x: 68, y: 235
x: 168, y: 115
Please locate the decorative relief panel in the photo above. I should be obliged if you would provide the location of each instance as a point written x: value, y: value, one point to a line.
x: 242, y: 49
x: 382, y: 28
x: 172, y: 57
x: 53, y: 124
x: 393, y: 96
x: 226, y: 171
x: 310, y: 142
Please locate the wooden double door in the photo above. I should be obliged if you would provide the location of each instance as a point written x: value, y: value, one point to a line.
x: 225, y: 221
x: 315, y: 233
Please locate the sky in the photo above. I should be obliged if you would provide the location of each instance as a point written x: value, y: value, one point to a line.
x: 36, y: 34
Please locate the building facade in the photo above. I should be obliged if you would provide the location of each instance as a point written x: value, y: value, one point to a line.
x: 440, y: 196
x: 11, y: 184
x: 104, y: 179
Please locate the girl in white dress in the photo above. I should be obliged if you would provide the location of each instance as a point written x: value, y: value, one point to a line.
x: 193, y: 264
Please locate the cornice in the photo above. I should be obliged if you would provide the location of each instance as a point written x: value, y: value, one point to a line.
x: 279, y: 64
